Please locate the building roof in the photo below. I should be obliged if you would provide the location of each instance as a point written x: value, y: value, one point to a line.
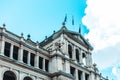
x: 76, y: 36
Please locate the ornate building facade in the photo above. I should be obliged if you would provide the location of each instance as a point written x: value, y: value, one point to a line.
x: 65, y: 55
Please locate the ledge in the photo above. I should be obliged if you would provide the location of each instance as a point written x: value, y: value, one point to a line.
x: 62, y: 73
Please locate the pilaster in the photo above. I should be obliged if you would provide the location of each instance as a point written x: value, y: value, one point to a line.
x: 67, y: 66
x: 59, y: 63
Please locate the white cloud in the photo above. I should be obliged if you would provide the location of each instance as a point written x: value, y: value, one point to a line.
x: 107, y: 57
x: 116, y: 71
x: 103, y: 19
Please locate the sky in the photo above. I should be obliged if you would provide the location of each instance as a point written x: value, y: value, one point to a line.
x: 99, y: 21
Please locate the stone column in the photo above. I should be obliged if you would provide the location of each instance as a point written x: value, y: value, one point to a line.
x: 67, y: 54
x: 28, y: 59
x: 90, y: 59
x: 81, y: 58
x: 76, y: 74
x: 2, y: 45
x: 83, y: 76
x: 73, y: 53
x: 11, y: 51
x: 20, y: 57
x: 87, y: 59
x: 44, y: 64
x: 36, y: 63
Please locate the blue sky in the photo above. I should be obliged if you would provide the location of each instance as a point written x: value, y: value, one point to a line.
x: 40, y: 18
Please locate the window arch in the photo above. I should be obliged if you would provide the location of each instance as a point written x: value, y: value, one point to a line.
x: 70, y: 51
x: 9, y: 75
x: 77, y: 55
x: 27, y: 78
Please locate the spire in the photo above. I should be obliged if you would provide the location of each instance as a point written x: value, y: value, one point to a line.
x: 65, y: 20
x: 73, y: 20
x: 79, y: 28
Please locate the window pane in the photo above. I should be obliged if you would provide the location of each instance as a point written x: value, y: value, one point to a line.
x: 7, y: 49
x: 40, y: 62
x: 72, y: 70
x: 25, y: 56
x: 32, y: 59
x: 46, y: 65
x: 15, y: 52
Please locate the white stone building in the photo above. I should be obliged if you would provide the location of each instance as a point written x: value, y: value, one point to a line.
x: 65, y: 55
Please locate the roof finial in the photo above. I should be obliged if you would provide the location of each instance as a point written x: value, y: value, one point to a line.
x: 54, y: 32
x: 21, y: 34
x: 4, y: 25
x: 45, y: 37
x: 28, y: 37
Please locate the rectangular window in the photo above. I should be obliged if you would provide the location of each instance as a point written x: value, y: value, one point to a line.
x: 79, y: 75
x: 32, y: 59
x: 72, y: 70
x: 7, y: 49
x: 40, y: 62
x: 86, y: 76
x: 15, y: 52
x: 46, y: 65
x: 25, y: 56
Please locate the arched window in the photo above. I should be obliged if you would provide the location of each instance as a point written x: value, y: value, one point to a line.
x: 84, y: 58
x: 27, y: 78
x: 70, y: 51
x: 9, y: 75
x: 77, y: 55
